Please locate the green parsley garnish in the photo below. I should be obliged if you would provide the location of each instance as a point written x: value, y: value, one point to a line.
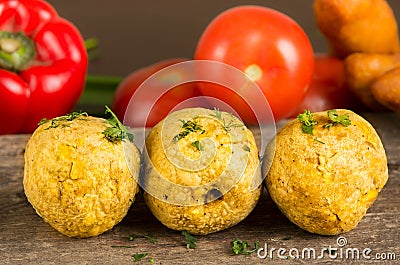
x: 117, y: 131
x: 318, y: 141
x: 232, y: 123
x: 198, y: 145
x: 54, y: 123
x: 139, y: 256
x: 246, y: 148
x: 307, y: 122
x: 330, y: 251
x: 148, y: 237
x: 121, y: 246
x: 133, y: 237
x: 217, y: 114
x: 337, y: 119
x: 239, y: 247
x: 187, y: 128
x: 190, y: 240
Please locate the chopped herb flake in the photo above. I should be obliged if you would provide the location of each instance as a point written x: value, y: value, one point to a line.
x: 148, y: 237
x: 139, y: 256
x: 117, y: 132
x: 307, y: 121
x: 198, y: 145
x: 330, y: 251
x: 239, y: 247
x: 246, y: 148
x: 190, y: 240
x: 187, y: 128
x: 121, y: 246
x: 232, y: 123
x: 337, y: 119
x: 54, y: 123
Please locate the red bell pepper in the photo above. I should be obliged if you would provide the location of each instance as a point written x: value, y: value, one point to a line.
x: 43, y: 64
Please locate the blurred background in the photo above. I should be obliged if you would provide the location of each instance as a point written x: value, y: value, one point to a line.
x: 133, y: 34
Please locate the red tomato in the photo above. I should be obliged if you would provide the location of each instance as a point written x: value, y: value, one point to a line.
x: 328, y: 89
x: 159, y: 109
x: 271, y: 48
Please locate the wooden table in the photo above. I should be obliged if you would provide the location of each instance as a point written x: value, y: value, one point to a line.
x: 26, y: 239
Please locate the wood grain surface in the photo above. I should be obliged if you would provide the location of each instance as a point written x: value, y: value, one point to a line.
x: 26, y: 239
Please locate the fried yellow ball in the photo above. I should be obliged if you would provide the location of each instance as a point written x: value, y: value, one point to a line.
x: 201, y: 171
x: 367, y: 26
x: 78, y: 181
x: 325, y: 180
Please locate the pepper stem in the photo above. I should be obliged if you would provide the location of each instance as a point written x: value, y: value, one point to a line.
x: 16, y: 50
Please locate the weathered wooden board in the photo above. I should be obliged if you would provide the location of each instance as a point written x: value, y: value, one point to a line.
x: 26, y: 239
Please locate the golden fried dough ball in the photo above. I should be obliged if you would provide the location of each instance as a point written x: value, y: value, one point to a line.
x: 78, y: 181
x: 357, y: 26
x: 362, y: 69
x: 201, y: 171
x: 386, y: 89
x: 325, y: 182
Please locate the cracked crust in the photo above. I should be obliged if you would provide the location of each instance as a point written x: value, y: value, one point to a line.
x: 326, y: 182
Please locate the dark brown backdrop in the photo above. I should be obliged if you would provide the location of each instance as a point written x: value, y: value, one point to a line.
x: 136, y: 33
